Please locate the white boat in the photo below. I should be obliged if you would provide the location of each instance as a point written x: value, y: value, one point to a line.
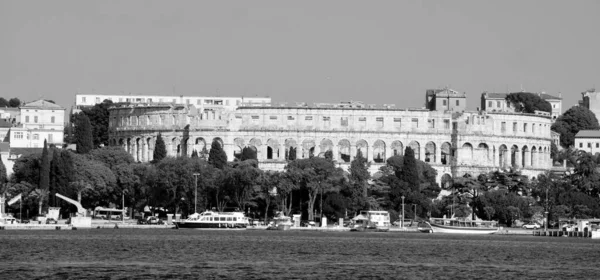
x: 370, y: 220
x: 453, y: 225
x: 214, y: 220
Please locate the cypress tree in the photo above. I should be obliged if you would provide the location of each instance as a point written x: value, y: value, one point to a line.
x: 194, y: 154
x: 216, y: 156
x: 248, y: 153
x: 54, y: 175
x: 409, y: 174
x: 45, y: 169
x: 292, y: 154
x: 359, y: 172
x: 3, y: 177
x: 328, y: 155
x: 83, y: 134
x: 160, y: 150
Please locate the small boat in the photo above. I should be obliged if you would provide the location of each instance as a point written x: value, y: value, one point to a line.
x: 280, y: 222
x: 214, y: 220
x: 371, y: 221
x: 453, y: 225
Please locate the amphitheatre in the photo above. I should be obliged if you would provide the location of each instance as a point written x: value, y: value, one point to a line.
x: 454, y: 142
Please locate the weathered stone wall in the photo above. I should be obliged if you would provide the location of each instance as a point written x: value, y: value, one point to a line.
x: 453, y: 143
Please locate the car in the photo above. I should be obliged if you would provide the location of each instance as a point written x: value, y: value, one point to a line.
x: 154, y: 221
x: 51, y: 221
x: 531, y: 226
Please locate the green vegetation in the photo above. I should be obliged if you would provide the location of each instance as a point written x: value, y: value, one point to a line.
x: 13, y: 102
x: 527, y: 102
x: 572, y: 121
x: 83, y: 134
x: 160, y: 150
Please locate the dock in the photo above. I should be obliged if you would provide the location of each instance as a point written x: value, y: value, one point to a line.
x: 560, y: 233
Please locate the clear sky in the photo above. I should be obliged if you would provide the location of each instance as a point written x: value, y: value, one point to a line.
x: 306, y: 51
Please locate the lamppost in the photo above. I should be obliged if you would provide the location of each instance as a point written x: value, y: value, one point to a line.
x: 402, y: 219
x: 196, y: 192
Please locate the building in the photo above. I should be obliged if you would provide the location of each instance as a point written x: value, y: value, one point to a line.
x: 445, y: 100
x: 591, y: 99
x: 200, y: 102
x: 40, y: 120
x: 454, y: 143
x: 496, y: 102
x: 588, y: 140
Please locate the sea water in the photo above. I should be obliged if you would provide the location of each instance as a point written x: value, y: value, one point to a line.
x: 254, y: 254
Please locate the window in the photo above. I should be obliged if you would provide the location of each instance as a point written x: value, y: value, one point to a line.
x: 457, y: 102
x: 37, y: 137
x: 308, y: 118
x: 397, y: 122
x: 490, y: 104
x: 35, y: 119
x: 580, y: 145
x: 97, y: 99
x: 497, y: 104
x: 379, y: 121
x: 589, y: 145
x: 430, y: 123
x: 238, y: 116
x: 273, y: 117
x: 208, y: 101
x: 198, y: 101
x: 533, y: 128
x: 415, y: 123
x: 326, y: 119
x: 50, y: 138
x: 503, y: 127
x: 52, y: 119
x: 597, y: 145
x: 291, y: 118
x: 362, y: 121
x: 255, y: 117
x: 344, y: 121
x: 524, y: 127
x: 444, y: 102
x: 18, y: 135
x: 515, y: 127
x: 83, y: 99
x: 446, y: 124
x: 26, y: 119
x: 121, y: 99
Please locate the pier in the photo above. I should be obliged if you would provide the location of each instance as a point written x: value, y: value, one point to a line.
x: 560, y: 233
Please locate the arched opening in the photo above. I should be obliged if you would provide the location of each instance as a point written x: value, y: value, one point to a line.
x: 256, y: 145
x: 446, y: 148
x: 514, y: 150
x: 308, y: 148
x: 379, y: 151
x: 446, y: 181
x: 325, y: 146
x: 363, y: 147
x: 525, y: 157
x: 238, y: 145
x: 344, y: 150
x: 269, y: 152
x: 416, y: 147
x: 290, y: 149
x: 272, y: 149
x: 502, y: 156
x: 534, y: 157
x: 430, y: 152
x: 467, y: 152
x: 397, y: 148
x: 483, y: 151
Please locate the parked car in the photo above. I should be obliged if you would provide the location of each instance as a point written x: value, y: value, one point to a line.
x: 531, y: 226
x: 51, y: 221
x: 154, y: 221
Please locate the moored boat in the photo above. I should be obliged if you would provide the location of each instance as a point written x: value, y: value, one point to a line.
x: 214, y: 220
x: 280, y: 222
x: 371, y: 221
x: 453, y: 225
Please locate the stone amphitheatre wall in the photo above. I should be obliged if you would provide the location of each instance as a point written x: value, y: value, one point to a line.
x: 453, y: 143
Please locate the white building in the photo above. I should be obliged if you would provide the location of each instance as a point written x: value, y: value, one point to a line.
x: 588, y: 140
x: 40, y: 120
x: 496, y: 102
x: 200, y: 102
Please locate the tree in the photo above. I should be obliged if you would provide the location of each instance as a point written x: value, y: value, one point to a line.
x: 99, y: 119
x: 160, y: 150
x: 248, y: 153
x: 94, y: 179
x: 112, y: 156
x: 553, y: 152
x: 572, y: 121
x: 14, y: 102
x: 44, y: 183
x: 240, y: 181
x: 3, y: 179
x: 3, y: 102
x: 217, y: 156
x: 409, y: 173
x: 194, y: 154
x: 527, y: 102
x: 357, y: 190
x: 83, y: 134
x: 291, y: 154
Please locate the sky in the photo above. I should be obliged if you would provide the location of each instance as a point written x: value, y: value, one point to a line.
x: 378, y: 52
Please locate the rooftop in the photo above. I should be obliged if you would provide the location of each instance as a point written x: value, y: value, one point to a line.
x: 43, y: 104
x: 492, y: 95
x: 588, y: 134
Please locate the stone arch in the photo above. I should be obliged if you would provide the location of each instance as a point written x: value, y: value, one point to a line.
x: 326, y: 145
x: 201, y: 147
x: 218, y: 139
x: 430, y: 152
x: 308, y: 148
x: 514, y: 152
x: 534, y: 157
x: 272, y: 149
x: 446, y: 181
x: 446, y: 152
x: 128, y: 145
x: 138, y: 150
x: 290, y: 146
x: 467, y: 152
x: 483, y: 153
x: 363, y: 146
x: 149, y: 148
x: 397, y: 148
x: 344, y: 150
x: 175, y: 147
x: 379, y: 154
x: 238, y: 146
x: 416, y: 147
x: 255, y: 145
x: 525, y: 156
x: 502, y: 156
